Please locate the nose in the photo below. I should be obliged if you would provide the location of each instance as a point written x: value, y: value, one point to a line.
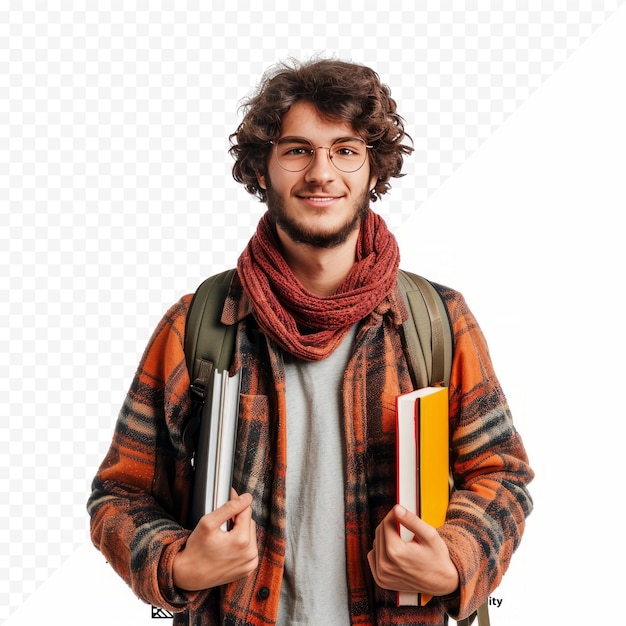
x: 321, y: 168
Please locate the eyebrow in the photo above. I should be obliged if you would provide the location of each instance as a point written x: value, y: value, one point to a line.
x: 297, y: 139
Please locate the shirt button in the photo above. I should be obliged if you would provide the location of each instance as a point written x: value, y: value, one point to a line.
x: 263, y: 593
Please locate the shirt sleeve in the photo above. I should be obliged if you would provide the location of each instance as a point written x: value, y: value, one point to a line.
x: 140, y: 492
x: 490, y: 503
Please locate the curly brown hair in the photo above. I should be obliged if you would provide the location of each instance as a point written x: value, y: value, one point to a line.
x: 341, y: 91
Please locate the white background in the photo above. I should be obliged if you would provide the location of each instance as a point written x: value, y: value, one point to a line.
x: 117, y: 199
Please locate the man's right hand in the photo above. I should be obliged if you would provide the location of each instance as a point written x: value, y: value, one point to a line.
x: 212, y: 556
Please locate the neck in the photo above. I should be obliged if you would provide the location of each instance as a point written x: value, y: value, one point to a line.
x: 320, y: 270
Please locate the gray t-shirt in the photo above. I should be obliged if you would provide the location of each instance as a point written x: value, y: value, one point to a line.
x: 315, y: 589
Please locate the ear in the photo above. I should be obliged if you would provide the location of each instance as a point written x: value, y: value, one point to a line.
x: 373, y: 181
x: 261, y: 180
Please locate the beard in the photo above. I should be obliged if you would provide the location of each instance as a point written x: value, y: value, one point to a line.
x: 298, y: 233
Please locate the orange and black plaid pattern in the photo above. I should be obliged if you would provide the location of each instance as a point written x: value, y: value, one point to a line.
x: 141, y: 491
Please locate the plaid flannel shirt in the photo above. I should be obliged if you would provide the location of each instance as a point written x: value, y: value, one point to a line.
x: 141, y: 492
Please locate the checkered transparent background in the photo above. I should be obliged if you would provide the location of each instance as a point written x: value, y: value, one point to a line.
x: 116, y: 196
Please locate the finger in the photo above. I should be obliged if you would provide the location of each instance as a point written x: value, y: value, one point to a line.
x: 371, y: 559
x: 243, y: 519
x: 414, y: 523
x: 230, y: 510
x: 386, y: 531
x: 252, y: 536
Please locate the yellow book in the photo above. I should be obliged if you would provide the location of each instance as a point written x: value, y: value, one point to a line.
x: 423, y: 463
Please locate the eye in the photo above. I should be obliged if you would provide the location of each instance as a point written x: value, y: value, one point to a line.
x: 348, y: 150
x: 297, y: 151
x: 345, y: 151
x: 292, y: 150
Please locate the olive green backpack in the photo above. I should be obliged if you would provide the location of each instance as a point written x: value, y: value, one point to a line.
x: 209, y: 345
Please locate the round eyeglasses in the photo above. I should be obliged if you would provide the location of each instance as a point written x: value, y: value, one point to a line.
x: 295, y: 154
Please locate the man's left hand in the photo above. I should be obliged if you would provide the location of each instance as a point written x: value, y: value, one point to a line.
x: 421, y: 565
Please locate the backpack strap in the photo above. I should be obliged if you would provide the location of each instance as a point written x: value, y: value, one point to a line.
x: 209, y: 345
x: 483, y: 617
x: 206, y: 338
x: 427, y: 331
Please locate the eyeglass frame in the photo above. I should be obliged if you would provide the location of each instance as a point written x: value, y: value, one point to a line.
x: 314, y: 148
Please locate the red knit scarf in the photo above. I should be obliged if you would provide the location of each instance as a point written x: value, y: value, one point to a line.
x: 283, y: 308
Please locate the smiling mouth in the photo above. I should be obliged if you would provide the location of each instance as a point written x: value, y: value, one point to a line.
x: 320, y: 199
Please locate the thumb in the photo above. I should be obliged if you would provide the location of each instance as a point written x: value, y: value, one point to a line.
x: 231, y: 509
x: 423, y: 532
x: 408, y: 520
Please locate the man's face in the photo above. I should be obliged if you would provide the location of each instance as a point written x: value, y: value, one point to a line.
x: 320, y: 205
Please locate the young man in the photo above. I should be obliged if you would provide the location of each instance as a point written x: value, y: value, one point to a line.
x: 315, y: 537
